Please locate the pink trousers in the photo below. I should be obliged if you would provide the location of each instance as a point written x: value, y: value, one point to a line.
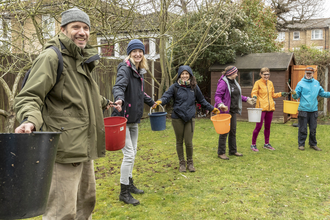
x: 267, y: 118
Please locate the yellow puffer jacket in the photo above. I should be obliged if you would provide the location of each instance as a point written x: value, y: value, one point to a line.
x: 264, y: 90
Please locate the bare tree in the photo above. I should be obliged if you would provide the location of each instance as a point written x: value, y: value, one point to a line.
x: 290, y: 12
x: 25, y: 27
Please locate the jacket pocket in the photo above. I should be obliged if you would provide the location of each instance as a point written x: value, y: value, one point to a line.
x: 74, y: 141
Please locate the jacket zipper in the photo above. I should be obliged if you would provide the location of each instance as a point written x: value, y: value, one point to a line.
x: 268, y: 97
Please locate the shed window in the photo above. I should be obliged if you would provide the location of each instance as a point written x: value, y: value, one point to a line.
x: 248, y: 78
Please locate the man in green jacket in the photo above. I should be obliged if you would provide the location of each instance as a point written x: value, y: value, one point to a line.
x: 74, y: 107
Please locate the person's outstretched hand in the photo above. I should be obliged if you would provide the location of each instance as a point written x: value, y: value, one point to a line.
x: 285, y: 94
x: 251, y: 101
x: 158, y: 102
x: 223, y: 107
x: 293, y: 92
x: 118, y: 105
x: 216, y: 111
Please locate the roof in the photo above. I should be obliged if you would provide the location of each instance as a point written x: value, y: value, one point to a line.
x: 311, y: 24
x: 255, y: 61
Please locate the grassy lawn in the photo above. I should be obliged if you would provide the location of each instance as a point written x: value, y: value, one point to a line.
x: 281, y: 184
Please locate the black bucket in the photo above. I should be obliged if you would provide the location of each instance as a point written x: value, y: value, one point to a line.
x: 26, y: 166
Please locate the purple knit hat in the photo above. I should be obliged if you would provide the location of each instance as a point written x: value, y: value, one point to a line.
x: 231, y: 71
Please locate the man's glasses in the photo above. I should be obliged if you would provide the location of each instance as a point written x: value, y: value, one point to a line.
x: 266, y: 74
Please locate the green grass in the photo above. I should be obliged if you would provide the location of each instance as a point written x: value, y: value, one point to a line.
x: 281, y: 184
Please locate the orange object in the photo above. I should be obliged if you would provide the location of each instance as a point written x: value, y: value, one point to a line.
x: 298, y: 72
x: 290, y: 107
x: 221, y: 123
x: 115, y: 133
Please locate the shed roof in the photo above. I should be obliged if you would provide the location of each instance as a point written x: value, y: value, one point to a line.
x: 255, y: 61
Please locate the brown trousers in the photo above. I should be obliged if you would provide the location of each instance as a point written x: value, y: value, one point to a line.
x: 72, y: 193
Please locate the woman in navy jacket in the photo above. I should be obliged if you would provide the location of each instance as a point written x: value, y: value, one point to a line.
x: 130, y: 97
x: 185, y: 93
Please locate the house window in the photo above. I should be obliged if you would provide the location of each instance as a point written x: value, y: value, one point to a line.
x: 48, y: 26
x: 146, y: 44
x: 317, y: 34
x: 157, y: 45
x: 5, y: 34
x: 296, y: 35
x: 107, y: 50
x: 281, y: 36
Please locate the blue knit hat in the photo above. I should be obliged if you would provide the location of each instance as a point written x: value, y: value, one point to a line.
x: 135, y: 44
x: 184, y: 68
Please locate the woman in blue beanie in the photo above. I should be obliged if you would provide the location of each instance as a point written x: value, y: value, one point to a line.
x: 129, y: 96
x: 185, y: 93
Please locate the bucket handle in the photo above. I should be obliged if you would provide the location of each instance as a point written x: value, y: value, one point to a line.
x: 160, y: 106
x: 213, y: 114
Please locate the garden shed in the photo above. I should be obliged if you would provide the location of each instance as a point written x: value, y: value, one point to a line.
x: 281, y: 67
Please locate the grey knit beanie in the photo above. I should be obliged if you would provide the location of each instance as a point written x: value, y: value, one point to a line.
x: 74, y: 14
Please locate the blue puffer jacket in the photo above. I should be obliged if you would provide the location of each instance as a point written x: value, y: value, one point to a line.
x: 184, y: 102
x: 308, y: 90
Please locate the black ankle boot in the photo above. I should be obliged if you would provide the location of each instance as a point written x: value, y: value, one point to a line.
x: 132, y: 188
x: 126, y: 196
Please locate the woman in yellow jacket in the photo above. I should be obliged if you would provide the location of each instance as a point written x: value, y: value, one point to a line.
x: 263, y: 91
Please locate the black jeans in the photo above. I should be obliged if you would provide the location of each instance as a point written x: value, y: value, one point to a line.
x: 303, y: 119
x: 231, y: 140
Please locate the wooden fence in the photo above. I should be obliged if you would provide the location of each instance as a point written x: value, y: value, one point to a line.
x: 104, y: 75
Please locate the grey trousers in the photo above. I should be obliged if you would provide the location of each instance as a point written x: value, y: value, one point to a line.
x: 305, y: 118
x: 129, y: 151
x: 72, y: 193
x: 184, y: 131
x: 231, y: 139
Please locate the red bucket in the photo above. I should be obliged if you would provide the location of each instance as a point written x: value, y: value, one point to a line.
x: 115, y: 133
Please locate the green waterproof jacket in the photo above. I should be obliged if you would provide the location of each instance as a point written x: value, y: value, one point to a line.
x: 73, y: 106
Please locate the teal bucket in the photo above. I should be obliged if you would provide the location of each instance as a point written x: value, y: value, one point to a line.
x: 158, y: 120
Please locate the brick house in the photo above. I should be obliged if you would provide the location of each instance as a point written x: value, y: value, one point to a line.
x: 313, y: 33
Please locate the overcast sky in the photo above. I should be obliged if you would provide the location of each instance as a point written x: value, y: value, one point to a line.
x: 326, y: 12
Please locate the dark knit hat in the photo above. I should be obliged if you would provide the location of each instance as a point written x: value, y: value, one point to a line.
x: 309, y: 70
x: 184, y: 68
x: 135, y: 44
x: 74, y: 14
x: 231, y: 71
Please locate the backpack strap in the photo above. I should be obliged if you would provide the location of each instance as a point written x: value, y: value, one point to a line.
x: 60, y: 63
x: 59, y: 66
